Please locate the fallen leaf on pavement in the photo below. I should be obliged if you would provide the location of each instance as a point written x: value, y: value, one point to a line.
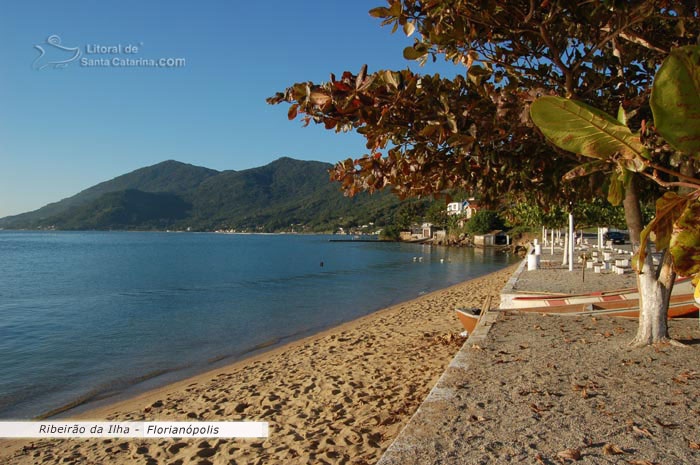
x: 612, y: 449
x: 570, y: 454
x: 642, y: 431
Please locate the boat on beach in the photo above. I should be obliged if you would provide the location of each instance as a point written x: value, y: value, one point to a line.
x: 682, y: 286
x: 468, y: 317
x: 679, y: 306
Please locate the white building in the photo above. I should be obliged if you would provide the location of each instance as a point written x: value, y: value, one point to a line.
x: 465, y: 207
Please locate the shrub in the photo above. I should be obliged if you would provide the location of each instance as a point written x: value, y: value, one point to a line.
x: 484, y: 221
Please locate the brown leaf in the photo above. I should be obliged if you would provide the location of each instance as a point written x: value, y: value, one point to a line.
x: 685, y: 376
x: 477, y: 347
x: 641, y: 431
x: 612, y: 449
x: 694, y: 445
x: 539, y: 459
x: 570, y: 454
x: 539, y: 409
x: 292, y: 113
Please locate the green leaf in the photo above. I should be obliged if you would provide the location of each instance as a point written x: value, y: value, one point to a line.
x: 580, y: 128
x: 664, y: 226
x: 685, y: 241
x: 616, y: 190
x: 584, y: 170
x: 622, y: 116
x: 668, y: 209
x: 675, y: 99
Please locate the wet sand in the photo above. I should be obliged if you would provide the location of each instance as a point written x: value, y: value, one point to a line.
x: 339, y: 397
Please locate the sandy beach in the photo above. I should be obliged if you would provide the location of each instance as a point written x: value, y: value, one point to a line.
x: 339, y: 397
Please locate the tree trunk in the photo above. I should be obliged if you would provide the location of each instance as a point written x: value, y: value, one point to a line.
x: 654, y: 287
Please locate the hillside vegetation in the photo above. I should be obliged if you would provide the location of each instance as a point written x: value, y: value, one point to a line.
x: 283, y: 195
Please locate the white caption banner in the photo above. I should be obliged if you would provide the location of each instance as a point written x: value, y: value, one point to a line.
x: 133, y: 429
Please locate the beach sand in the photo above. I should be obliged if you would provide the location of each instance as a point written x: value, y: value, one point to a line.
x: 339, y: 397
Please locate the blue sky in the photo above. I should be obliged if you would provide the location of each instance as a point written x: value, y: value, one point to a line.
x: 63, y: 130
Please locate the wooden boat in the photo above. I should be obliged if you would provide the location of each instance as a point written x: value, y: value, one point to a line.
x: 679, y: 306
x: 682, y: 286
x: 469, y: 317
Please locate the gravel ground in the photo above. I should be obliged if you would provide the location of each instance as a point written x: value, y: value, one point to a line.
x: 556, y: 389
x: 555, y: 278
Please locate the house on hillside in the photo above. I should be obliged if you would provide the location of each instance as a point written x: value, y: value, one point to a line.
x: 465, y: 208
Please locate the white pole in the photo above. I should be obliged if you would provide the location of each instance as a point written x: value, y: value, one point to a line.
x: 551, y: 242
x: 565, y: 250
x: 571, y: 242
x: 544, y: 235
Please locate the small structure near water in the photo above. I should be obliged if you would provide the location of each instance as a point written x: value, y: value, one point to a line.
x: 491, y: 239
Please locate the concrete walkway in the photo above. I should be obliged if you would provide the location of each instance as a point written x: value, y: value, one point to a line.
x: 417, y: 442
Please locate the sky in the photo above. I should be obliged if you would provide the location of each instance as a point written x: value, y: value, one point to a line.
x: 67, y: 126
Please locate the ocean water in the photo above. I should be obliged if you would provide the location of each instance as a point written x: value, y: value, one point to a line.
x: 87, y: 316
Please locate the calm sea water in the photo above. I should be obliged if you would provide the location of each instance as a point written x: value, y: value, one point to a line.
x: 86, y: 316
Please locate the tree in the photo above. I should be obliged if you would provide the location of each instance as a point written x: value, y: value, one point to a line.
x: 437, y: 214
x: 474, y: 131
x: 407, y: 214
x: 484, y: 221
x: 675, y: 103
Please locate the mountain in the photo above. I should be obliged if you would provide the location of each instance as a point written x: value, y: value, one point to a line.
x: 285, y: 194
x: 168, y: 176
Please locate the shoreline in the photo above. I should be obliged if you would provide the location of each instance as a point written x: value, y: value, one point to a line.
x: 265, y: 352
x: 103, y: 399
x: 426, y: 330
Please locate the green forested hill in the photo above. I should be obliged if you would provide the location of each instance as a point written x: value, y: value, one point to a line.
x: 174, y: 195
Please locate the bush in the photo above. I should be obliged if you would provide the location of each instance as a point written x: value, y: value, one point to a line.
x: 484, y: 221
x: 390, y: 233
